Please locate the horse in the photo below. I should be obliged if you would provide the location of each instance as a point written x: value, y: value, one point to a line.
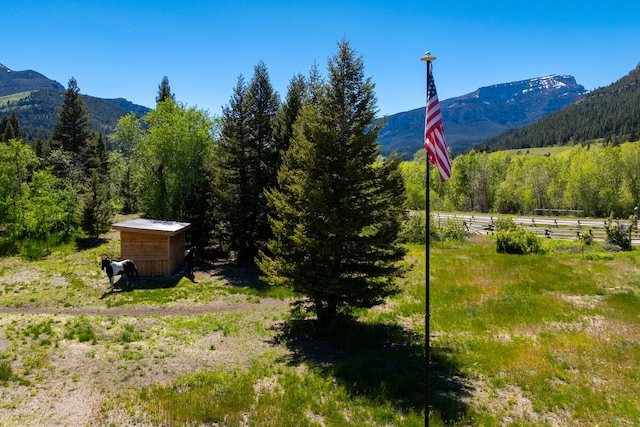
x: 127, y: 267
x: 189, y: 259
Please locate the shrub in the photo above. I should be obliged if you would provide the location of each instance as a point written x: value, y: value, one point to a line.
x: 505, y: 224
x: 587, y: 237
x: 454, y: 230
x: 6, y: 373
x: 618, y: 234
x: 413, y: 229
x: 518, y: 241
x: 450, y: 230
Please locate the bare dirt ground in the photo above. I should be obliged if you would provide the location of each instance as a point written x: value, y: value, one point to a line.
x: 60, y: 377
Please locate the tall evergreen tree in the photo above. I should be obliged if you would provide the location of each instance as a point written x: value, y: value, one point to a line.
x: 95, y: 157
x: 6, y: 130
x: 17, y: 129
x: 96, y: 208
x: 288, y: 113
x: 10, y: 128
x: 231, y: 176
x: 247, y: 163
x: 72, y: 130
x: 164, y: 91
x: 263, y: 104
x: 39, y: 146
x: 337, y: 211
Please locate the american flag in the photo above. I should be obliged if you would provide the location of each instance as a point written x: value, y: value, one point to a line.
x: 434, y: 141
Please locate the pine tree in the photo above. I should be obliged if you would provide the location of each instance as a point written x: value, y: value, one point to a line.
x: 72, y: 130
x: 39, y: 146
x: 10, y: 128
x: 263, y: 104
x: 15, y: 123
x: 95, y: 157
x: 337, y: 211
x: 231, y: 175
x: 288, y: 113
x: 97, y: 210
x: 247, y: 163
x: 164, y: 91
x: 6, y: 130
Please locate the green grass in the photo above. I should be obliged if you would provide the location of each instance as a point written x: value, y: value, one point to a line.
x: 267, y: 396
x: 13, y: 97
x: 540, y: 151
x: 80, y: 329
x: 366, y: 372
x: 557, y: 333
x: 6, y: 371
x: 369, y: 371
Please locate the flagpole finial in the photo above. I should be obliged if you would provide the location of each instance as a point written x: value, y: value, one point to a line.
x: 427, y: 57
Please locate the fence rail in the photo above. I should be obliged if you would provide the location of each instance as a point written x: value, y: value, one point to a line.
x: 553, y: 228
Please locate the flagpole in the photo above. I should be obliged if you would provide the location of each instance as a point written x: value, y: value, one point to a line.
x: 427, y: 58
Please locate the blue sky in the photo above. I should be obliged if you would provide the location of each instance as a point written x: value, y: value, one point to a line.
x: 124, y: 48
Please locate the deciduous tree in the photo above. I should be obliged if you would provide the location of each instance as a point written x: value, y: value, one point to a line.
x: 172, y: 165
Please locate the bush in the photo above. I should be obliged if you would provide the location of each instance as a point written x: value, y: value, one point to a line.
x: 587, y: 237
x: 518, y: 241
x: 505, y: 224
x: 454, y: 230
x: 6, y: 373
x: 451, y: 230
x: 618, y: 234
x: 413, y: 229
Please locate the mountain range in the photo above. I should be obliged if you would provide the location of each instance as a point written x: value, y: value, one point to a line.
x: 527, y: 113
x: 472, y: 118
x: 610, y: 114
x: 36, y: 98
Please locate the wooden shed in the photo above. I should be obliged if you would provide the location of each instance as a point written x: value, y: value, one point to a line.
x: 157, y: 247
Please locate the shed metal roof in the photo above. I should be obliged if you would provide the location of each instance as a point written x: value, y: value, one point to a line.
x: 152, y: 226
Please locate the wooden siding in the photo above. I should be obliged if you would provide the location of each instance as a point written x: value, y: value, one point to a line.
x: 176, y: 251
x: 154, y: 255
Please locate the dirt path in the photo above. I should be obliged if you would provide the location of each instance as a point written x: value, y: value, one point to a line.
x: 138, y: 311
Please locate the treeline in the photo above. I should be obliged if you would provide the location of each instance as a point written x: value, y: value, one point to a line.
x: 599, y: 180
x: 612, y: 113
x: 50, y: 188
x: 297, y: 187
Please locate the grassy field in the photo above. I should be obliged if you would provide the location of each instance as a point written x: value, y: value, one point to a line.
x: 13, y: 98
x: 540, y: 151
x: 219, y: 350
x: 538, y: 340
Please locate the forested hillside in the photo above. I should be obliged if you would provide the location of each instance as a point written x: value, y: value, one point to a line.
x: 612, y: 113
x: 36, y: 111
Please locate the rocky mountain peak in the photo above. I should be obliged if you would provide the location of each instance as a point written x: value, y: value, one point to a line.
x: 539, y: 86
x: 485, y: 112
